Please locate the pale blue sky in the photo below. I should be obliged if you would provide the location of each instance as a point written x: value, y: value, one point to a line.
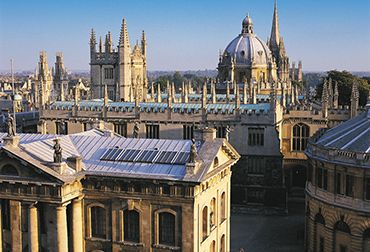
x: 185, y: 35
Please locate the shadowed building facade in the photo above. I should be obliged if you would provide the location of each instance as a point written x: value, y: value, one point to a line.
x: 338, y: 187
x: 111, y: 193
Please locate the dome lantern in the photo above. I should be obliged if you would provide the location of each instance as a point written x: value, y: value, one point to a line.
x: 247, y: 25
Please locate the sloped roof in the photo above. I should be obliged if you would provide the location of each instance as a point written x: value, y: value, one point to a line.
x: 91, y: 146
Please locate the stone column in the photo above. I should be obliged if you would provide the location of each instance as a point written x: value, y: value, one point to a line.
x: 77, y: 228
x: 61, y: 228
x: 15, y: 225
x: 33, y: 229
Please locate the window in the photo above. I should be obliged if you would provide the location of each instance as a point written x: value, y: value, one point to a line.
x: 301, y: 133
x: 5, y: 214
x: 204, y: 222
x: 256, y: 165
x: 108, y: 73
x: 188, y: 132
x: 131, y: 226
x: 349, y: 185
x: 121, y: 129
x: 24, y: 218
x: 322, y: 178
x: 41, y: 213
x: 61, y: 128
x: 9, y: 170
x: 212, y: 247
x: 338, y: 183
x: 255, y: 195
x: 321, y: 244
x: 222, y: 244
x: 152, y: 131
x: 343, y: 248
x: 111, y: 94
x: 367, y: 189
x: 256, y: 136
x: 221, y: 131
x: 212, y: 214
x: 98, y: 222
x: 223, y: 206
x: 167, y: 229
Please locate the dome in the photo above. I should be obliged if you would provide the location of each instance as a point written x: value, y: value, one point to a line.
x: 248, y: 48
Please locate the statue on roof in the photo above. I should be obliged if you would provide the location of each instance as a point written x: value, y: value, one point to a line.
x: 193, y: 152
x: 136, y: 130
x: 10, y: 122
x: 57, y: 151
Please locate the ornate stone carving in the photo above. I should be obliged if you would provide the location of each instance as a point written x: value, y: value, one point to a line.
x: 57, y: 151
x: 10, y: 122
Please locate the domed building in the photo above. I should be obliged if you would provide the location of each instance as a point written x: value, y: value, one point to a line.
x: 338, y: 187
x: 247, y: 57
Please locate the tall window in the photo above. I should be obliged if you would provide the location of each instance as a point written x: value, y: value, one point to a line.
x: 321, y: 244
x: 338, y: 183
x: 256, y: 136
x: 322, y: 178
x: 121, y: 128
x: 204, y: 222
x: 24, y: 218
x: 5, y: 214
x: 98, y: 222
x: 221, y: 131
x: 367, y: 189
x: 223, y: 206
x: 349, y: 185
x: 188, y: 132
x: 152, y: 131
x: 167, y: 228
x: 61, y: 128
x: 212, y: 214
x: 108, y: 73
x: 301, y: 133
x: 256, y: 165
x: 131, y: 226
x: 212, y: 247
x: 222, y: 244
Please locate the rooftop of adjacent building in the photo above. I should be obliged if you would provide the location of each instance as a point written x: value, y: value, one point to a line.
x: 349, y: 142
x: 111, y: 155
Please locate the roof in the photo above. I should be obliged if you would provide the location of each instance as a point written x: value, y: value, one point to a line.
x: 92, y: 146
x: 161, y: 107
x: 352, y: 135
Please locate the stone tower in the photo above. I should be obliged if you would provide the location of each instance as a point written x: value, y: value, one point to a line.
x: 122, y: 70
x: 60, y: 78
x: 277, y: 47
x: 354, y: 99
x: 44, y: 81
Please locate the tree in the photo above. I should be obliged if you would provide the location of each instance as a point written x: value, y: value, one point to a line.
x: 345, y: 81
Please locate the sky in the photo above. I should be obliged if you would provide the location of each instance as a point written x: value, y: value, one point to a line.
x: 185, y: 35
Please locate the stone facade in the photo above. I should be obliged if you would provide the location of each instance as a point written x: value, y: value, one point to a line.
x: 338, y: 188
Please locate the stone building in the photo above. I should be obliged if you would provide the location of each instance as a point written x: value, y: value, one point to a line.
x: 268, y: 123
x: 97, y: 191
x: 123, y: 70
x: 338, y: 187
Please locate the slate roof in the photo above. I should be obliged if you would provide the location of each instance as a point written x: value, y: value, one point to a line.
x: 91, y: 145
x: 352, y: 135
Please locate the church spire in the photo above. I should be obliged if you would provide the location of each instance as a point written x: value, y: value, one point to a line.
x: 275, y: 34
x: 123, y: 38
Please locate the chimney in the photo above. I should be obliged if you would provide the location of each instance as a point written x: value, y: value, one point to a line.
x: 205, y: 134
x: 75, y: 162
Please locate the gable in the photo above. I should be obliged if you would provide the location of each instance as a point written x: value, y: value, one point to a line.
x: 13, y: 168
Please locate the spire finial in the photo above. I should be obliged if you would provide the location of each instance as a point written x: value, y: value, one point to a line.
x: 275, y: 34
x: 124, y: 39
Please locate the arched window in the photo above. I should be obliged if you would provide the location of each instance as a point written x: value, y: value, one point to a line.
x: 9, y: 170
x: 342, y: 226
x: 131, y: 226
x: 215, y: 162
x: 212, y: 247
x: 223, y: 206
x: 212, y: 214
x: 319, y: 219
x: 98, y: 222
x: 167, y: 230
x: 222, y: 244
x: 204, y: 222
x: 301, y: 133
